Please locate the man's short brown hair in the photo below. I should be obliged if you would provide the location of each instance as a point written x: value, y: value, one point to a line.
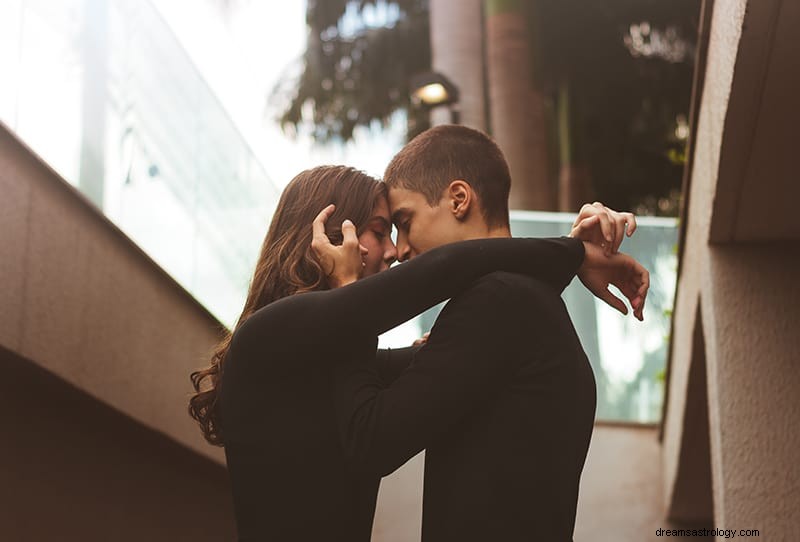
x: 441, y: 155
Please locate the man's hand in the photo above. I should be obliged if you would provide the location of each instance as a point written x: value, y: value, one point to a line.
x: 341, y: 264
x: 602, y: 226
x: 628, y: 275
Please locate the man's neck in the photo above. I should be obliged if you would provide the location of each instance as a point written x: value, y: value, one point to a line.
x: 484, y: 232
x: 499, y: 232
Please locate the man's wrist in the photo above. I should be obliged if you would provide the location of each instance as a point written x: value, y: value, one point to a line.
x: 587, y: 248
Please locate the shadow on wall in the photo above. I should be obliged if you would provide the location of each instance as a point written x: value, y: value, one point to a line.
x: 74, y: 469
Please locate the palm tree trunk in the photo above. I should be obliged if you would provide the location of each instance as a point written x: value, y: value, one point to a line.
x: 457, y: 52
x: 517, y: 108
x: 574, y: 179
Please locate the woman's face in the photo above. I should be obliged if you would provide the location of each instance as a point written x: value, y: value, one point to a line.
x: 376, y: 237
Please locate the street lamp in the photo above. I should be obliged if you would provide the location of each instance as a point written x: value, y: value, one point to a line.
x: 432, y: 89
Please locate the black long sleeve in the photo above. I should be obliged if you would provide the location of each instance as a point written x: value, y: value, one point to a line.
x: 502, y: 398
x: 378, y: 303
x: 464, y: 361
x: 390, y: 362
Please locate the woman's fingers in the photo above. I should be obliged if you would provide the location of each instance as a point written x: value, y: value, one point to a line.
x: 349, y: 237
x: 423, y: 339
x: 581, y: 229
x: 630, y: 219
x: 619, y: 229
x: 625, y: 225
x: 319, y: 238
x: 617, y: 225
x: 607, y: 226
x: 602, y: 225
x: 341, y: 264
x: 587, y: 211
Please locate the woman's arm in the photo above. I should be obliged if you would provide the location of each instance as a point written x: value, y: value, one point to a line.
x: 380, y: 302
x: 390, y: 362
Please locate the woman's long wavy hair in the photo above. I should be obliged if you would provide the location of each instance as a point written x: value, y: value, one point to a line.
x: 287, y: 265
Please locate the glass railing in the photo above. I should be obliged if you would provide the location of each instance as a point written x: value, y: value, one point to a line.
x: 103, y: 92
x: 628, y: 356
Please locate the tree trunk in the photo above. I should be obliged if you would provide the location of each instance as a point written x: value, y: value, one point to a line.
x: 516, y: 108
x: 574, y: 187
x: 457, y: 52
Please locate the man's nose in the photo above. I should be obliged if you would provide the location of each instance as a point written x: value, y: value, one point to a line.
x: 390, y: 254
x: 403, y: 248
x: 403, y: 252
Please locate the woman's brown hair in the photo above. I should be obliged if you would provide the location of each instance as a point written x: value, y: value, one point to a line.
x: 286, y: 264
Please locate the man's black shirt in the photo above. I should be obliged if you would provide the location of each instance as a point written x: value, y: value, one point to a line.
x: 502, y: 397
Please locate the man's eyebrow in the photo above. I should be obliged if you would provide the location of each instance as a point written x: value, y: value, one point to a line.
x: 382, y: 220
x: 399, y: 214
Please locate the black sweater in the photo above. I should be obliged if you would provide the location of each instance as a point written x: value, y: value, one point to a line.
x: 502, y: 397
x: 289, y: 476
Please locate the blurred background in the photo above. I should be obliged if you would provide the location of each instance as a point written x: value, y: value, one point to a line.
x: 184, y: 129
x: 146, y: 142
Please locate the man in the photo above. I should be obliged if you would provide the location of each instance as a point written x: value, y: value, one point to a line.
x: 502, y: 395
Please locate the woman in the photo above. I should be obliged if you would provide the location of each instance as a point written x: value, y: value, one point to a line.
x: 269, y: 394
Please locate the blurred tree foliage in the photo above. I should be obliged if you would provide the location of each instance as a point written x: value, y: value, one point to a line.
x: 358, y: 61
x: 628, y: 65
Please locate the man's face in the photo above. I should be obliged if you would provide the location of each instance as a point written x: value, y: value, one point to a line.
x: 420, y: 227
x: 376, y: 238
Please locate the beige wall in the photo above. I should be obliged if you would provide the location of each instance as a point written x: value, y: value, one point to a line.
x: 82, y: 301
x: 737, y: 288
x: 753, y: 350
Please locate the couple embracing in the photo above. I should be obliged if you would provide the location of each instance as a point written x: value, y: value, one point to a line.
x: 500, y: 394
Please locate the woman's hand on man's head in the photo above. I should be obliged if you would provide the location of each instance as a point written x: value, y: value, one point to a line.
x: 341, y: 264
x: 602, y: 226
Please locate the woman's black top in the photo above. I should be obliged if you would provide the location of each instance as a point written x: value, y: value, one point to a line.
x: 288, y: 474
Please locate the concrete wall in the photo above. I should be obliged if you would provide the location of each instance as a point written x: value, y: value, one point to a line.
x: 85, y: 303
x: 738, y: 284
x: 753, y: 350
x: 96, y: 345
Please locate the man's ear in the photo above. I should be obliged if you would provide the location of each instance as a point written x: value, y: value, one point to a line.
x: 460, y: 198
